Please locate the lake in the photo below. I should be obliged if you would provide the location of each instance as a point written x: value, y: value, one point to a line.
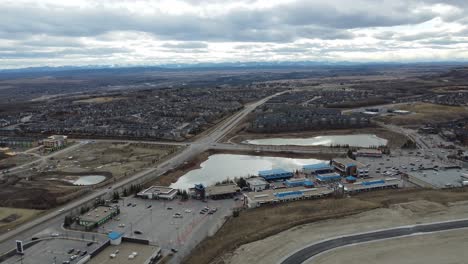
x: 359, y: 140
x: 220, y: 167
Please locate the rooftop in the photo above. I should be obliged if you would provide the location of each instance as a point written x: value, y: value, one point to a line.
x: 114, y: 235
x: 256, y: 181
x: 222, y: 189
x: 270, y: 195
x: 97, y: 213
x: 348, y: 161
x: 272, y: 172
x: 145, y: 252
x: 158, y: 190
x: 317, y: 166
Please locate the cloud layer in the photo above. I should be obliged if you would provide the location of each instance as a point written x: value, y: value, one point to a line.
x: 53, y: 32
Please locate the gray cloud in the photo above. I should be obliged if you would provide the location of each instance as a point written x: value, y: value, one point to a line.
x: 46, y: 30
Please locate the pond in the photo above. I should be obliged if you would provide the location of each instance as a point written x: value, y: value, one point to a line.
x: 358, y: 140
x: 220, y: 167
x: 88, y: 180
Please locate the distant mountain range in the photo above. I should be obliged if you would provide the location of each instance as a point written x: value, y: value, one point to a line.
x: 103, y: 69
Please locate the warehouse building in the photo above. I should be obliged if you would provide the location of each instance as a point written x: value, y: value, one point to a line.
x: 257, y: 184
x: 275, y: 174
x: 97, y: 216
x: 320, y: 168
x: 222, y: 191
x: 158, y: 192
x: 299, y: 182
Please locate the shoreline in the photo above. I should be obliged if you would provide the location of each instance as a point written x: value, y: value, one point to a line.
x: 395, y: 140
x: 173, y: 175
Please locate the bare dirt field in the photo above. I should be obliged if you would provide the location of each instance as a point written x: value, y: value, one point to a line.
x: 52, y: 183
x: 435, y: 248
x: 422, y: 113
x: 257, y: 236
x: 12, y: 217
x: 17, y: 160
x: 119, y: 159
x: 395, y: 140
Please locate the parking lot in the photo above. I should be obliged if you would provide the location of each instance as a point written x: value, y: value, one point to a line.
x: 156, y: 221
x: 54, y: 251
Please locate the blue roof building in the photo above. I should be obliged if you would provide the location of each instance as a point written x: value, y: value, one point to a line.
x: 299, y: 182
x: 115, y: 238
x: 275, y: 174
x: 329, y: 177
x: 367, y: 183
x: 351, y: 179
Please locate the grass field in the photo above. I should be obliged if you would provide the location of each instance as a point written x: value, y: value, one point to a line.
x: 12, y: 217
x: 422, y: 113
x: 257, y: 224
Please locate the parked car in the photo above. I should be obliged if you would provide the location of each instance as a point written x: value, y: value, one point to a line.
x: 169, y: 208
x: 149, y: 206
x: 137, y: 232
x: 174, y: 250
x: 177, y: 215
x: 89, y: 244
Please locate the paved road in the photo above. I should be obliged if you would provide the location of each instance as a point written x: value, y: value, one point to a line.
x: 320, y: 247
x: 27, y: 230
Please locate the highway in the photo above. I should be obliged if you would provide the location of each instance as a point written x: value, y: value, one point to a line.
x: 310, y: 251
x: 29, y: 229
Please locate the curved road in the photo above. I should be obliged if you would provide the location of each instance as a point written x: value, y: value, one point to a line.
x: 312, y: 250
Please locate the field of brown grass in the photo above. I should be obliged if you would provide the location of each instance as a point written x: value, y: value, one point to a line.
x: 422, y: 113
x: 257, y: 224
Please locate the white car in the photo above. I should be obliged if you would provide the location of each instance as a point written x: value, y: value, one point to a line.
x: 188, y: 211
x: 55, y: 234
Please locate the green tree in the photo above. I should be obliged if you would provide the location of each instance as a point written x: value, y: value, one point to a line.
x: 116, y: 196
x: 67, y: 221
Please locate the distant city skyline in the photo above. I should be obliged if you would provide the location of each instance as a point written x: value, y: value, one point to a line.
x: 144, y: 32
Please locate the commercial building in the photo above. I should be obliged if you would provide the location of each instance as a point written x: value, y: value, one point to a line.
x: 158, y: 192
x: 328, y: 177
x: 319, y: 168
x: 376, y: 153
x: 271, y: 196
x: 55, y: 141
x: 222, y: 191
x: 347, y: 166
x: 366, y: 186
x: 299, y: 182
x: 275, y: 174
x: 97, y: 216
x: 257, y: 184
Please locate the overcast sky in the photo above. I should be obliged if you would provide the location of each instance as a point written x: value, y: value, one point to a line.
x: 131, y: 32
